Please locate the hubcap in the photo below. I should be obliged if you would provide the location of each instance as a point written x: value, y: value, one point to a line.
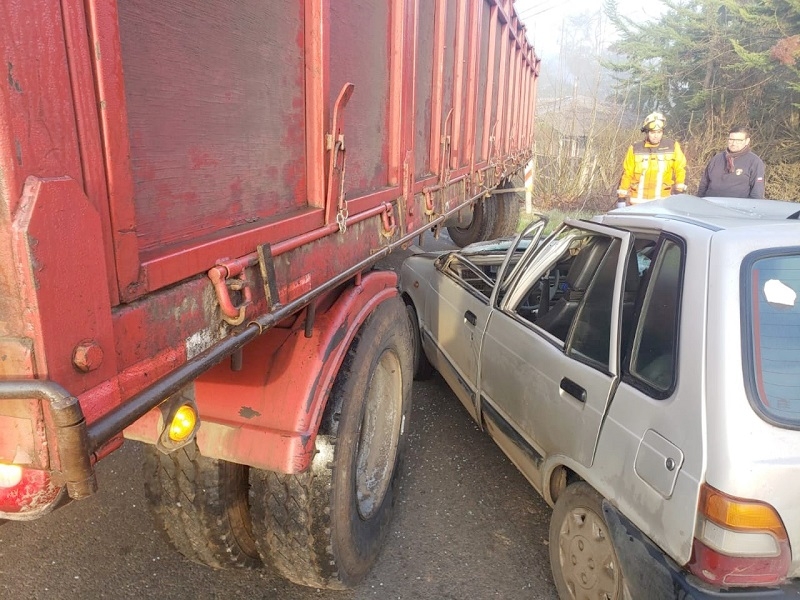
x: 380, y: 434
x: 587, y: 557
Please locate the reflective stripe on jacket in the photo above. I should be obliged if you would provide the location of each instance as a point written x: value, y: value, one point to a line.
x: 649, y: 172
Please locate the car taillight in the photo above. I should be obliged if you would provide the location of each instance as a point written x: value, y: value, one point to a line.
x: 25, y: 493
x: 738, y: 542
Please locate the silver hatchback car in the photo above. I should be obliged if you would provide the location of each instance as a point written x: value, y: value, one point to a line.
x: 642, y: 371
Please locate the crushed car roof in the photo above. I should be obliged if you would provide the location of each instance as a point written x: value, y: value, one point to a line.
x: 715, y: 213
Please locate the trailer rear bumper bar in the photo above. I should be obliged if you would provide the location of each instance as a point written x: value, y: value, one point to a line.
x: 76, y: 466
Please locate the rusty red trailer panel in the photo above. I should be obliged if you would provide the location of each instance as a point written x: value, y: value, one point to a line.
x: 276, y: 146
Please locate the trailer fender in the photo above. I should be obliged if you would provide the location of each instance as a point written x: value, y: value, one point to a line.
x: 267, y: 413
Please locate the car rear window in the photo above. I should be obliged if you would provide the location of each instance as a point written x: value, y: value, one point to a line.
x: 772, y: 315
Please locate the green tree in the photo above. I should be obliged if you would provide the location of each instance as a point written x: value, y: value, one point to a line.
x: 710, y: 64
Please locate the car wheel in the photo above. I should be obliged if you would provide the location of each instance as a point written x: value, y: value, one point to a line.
x: 422, y: 367
x: 201, y: 506
x: 582, y: 555
x: 324, y: 527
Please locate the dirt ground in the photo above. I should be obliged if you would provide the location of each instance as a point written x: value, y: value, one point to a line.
x: 467, y: 526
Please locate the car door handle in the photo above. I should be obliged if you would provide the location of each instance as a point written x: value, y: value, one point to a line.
x: 470, y: 317
x: 573, y: 389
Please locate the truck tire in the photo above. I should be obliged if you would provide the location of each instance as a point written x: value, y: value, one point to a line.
x: 422, y: 366
x: 324, y: 527
x: 494, y: 217
x: 481, y: 226
x: 582, y: 556
x: 201, y: 506
x: 506, y: 213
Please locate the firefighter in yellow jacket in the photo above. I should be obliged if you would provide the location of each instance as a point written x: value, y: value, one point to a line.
x: 653, y: 168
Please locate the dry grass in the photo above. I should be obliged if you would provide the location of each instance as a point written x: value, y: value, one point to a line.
x: 783, y: 182
x: 579, y: 157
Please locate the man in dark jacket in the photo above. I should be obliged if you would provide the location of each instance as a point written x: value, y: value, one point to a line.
x: 735, y: 173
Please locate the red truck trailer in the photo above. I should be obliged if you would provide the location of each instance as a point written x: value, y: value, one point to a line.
x: 193, y: 195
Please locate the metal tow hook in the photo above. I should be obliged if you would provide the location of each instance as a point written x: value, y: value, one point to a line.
x: 231, y: 276
x: 239, y: 284
x: 389, y: 225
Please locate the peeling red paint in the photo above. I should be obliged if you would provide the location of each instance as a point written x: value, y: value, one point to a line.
x: 33, y: 494
x: 248, y: 413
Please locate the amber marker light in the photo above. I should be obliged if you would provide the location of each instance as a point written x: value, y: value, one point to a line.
x: 183, y: 423
x: 10, y: 475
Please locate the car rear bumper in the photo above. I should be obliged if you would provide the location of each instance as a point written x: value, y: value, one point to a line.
x: 651, y: 574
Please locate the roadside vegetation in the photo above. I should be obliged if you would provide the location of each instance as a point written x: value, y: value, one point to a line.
x: 706, y: 64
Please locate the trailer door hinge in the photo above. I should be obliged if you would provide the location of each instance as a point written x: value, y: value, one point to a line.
x: 334, y: 145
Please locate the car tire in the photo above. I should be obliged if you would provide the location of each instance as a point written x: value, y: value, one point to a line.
x: 324, y: 527
x: 201, y: 506
x: 422, y: 366
x: 582, y: 555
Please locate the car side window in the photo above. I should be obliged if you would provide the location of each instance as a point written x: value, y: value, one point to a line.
x: 472, y: 276
x: 591, y: 332
x: 653, y: 353
x: 574, y: 284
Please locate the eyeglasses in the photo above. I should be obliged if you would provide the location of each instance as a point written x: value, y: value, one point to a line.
x: 737, y: 140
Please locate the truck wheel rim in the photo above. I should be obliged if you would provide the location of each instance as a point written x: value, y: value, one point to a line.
x: 588, y: 562
x: 380, y: 434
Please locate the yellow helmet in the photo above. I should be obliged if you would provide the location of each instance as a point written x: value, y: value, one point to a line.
x: 655, y: 121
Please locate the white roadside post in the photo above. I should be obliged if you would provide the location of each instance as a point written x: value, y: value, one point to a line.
x: 529, y: 187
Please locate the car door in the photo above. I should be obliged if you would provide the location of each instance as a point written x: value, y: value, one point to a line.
x: 649, y: 459
x: 464, y: 291
x: 458, y: 316
x: 551, y: 389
